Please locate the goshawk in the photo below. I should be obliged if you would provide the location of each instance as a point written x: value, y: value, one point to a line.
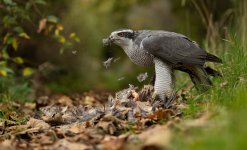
x: 166, y: 51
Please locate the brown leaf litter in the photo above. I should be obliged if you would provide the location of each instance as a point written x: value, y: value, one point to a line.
x: 92, y: 121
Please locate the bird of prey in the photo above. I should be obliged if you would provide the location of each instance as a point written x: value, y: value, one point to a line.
x: 166, y: 51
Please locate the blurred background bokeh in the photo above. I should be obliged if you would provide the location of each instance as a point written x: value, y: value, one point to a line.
x: 77, y: 65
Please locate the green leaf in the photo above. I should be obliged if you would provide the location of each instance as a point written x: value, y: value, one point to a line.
x: 18, y: 60
x: 9, y: 20
x: 74, y: 37
x: 77, y: 39
x: 3, y: 63
x: 24, y: 35
x: 52, y: 19
x: 5, y: 39
x: 57, y: 32
x: 10, y: 40
x: 9, y: 2
x: 3, y: 73
x: 67, y: 45
x: 5, y: 55
x: 61, y: 39
x: 60, y: 27
x: 15, y: 44
x: 27, y: 71
x: 18, y: 29
x: 5, y: 70
x: 40, y: 2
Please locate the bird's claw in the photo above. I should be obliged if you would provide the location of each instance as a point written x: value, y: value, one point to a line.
x: 146, y: 93
x: 169, y: 100
x: 143, y: 95
x: 155, y: 97
x: 166, y: 102
x: 156, y: 101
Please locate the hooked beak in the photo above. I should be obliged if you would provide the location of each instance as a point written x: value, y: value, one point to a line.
x: 108, y: 41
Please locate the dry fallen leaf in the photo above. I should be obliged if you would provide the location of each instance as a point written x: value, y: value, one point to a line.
x: 66, y: 145
x: 89, y: 100
x: 223, y: 84
x: 157, y: 137
x: 202, y: 121
x: 77, y: 128
x: 135, y: 95
x: 145, y: 106
x: 7, y: 145
x: 35, y: 123
x: 42, y: 25
x: 65, y: 100
x: 242, y: 79
x: 107, y: 127
x: 161, y: 114
x: 30, y: 105
x: 112, y: 143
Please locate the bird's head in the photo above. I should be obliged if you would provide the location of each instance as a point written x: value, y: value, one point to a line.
x: 122, y: 37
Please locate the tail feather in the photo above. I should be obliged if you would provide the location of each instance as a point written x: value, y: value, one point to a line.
x: 213, y: 58
x: 200, y: 76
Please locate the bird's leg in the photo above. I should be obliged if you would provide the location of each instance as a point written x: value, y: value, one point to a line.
x: 164, y: 83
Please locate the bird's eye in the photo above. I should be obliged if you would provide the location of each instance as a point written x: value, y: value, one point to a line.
x: 121, y: 34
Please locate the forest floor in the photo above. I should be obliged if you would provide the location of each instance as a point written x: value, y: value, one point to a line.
x: 126, y: 120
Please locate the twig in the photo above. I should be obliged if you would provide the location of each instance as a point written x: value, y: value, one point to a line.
x: 36, y: 8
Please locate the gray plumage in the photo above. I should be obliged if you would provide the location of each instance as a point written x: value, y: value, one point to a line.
x: 168, y: 51
x: 172, y: 48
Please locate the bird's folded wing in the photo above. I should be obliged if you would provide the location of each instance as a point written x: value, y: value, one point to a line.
x: 174, y: 49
